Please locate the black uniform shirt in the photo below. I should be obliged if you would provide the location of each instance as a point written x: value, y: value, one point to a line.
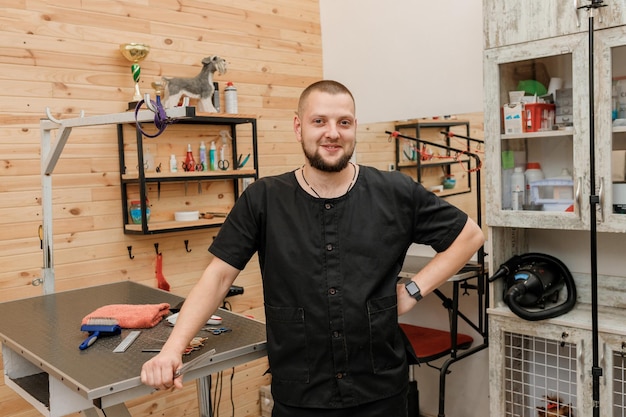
x: 329, y: 269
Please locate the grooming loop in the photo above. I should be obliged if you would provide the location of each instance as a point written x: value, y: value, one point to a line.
x: 160, y: 117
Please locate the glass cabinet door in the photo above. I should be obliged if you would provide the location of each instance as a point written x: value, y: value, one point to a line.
x: 610, y: 135
x: 537, y: 122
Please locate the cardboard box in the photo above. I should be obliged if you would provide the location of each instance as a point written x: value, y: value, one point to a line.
x: 513, y: 115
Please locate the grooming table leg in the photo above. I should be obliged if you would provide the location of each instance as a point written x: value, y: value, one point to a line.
x: 204, y: 395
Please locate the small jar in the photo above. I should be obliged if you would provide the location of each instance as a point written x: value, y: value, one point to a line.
x: 449, y: 182
x: 135, y: 212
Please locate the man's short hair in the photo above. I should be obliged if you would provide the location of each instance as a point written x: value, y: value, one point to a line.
x: 324, y: 86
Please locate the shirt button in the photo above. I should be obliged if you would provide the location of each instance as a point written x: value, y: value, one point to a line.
x: 336, y: 333
x: 329, y: 247
x: 339, y: 375
x: 328, y: 206
x: 332, y: 291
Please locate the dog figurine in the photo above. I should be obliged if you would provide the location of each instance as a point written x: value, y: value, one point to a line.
x: 199, y: 87
x: 555, y: 408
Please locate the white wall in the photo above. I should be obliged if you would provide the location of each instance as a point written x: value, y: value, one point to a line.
x: 404, y: 59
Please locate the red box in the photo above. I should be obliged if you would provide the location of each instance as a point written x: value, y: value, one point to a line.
x: 539, y: 116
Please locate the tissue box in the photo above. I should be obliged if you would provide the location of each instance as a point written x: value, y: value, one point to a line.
x: 513, y: 115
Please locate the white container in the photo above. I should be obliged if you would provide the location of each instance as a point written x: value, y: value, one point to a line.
x: 230, y: 98
x: 533, y: 173
x: 173, y: 163
x: 552, y: 191
x: 517, y: 189
x: 186, y: 216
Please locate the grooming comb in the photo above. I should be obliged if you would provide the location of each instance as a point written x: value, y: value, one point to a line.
x: 99, y: 327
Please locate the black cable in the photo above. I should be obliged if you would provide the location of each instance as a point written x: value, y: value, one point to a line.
x: 218, y: 389
x: 209, y: 396
x: 232, y: 400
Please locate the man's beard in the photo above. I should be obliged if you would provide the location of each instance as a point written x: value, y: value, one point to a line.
x: 317, y: 162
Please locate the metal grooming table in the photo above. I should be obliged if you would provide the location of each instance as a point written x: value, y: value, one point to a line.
x: 411, y: 266
x: 42, y: 363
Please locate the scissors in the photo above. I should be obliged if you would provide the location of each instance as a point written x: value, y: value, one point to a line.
x: 223, y: 164
x: 241, y: 164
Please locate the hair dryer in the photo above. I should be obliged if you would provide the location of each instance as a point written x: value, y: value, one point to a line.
x: 534, y: 279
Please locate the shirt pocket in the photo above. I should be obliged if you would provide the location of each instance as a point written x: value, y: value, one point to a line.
x: 386, y: 345
x: 287, y: 342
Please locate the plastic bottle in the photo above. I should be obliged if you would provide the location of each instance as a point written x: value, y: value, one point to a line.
x: 517, y: 189
x: 533, y: 173
x: 173, y: 163
x: 203, y: 156
x: 148, y: 160
x: 212, y: 157
x: 190, y: 163
x: 224, y: 148
x: 230, y: 98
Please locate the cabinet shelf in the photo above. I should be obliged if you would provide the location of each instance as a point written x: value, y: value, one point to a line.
x: 544, y: 134
x: 173, y: 225
x: 191, y: 176
x: 224, y: 186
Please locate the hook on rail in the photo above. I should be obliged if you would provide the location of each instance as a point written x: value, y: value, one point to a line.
x: 58, y: 121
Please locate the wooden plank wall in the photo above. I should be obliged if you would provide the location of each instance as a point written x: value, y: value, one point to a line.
x: 65, y: 56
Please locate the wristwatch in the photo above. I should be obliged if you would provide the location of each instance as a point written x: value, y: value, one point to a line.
x: 413, y: 290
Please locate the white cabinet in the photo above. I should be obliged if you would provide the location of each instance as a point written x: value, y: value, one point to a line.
x: 613, y: 382
x: 553, y: 360
x: 532, y: 360
x: 610, y: 51
x: 534, y: 365
x: 509, y: 22
x: 565, y: 148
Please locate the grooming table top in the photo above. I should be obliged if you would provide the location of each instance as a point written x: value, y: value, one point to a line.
x: 413, y: 264
x: 46, y: 331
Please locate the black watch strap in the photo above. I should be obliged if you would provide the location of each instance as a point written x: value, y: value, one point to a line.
x: 413, y: 290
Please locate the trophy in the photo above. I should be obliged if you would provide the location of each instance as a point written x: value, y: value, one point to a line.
x: 135, y: 53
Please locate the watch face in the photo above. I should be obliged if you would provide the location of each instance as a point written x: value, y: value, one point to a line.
x: 414, y: 290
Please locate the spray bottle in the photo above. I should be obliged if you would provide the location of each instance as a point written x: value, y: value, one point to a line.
x: 212, y: 157
x: 190, y: 162
x: 203, y: 156
x: 224, y: 148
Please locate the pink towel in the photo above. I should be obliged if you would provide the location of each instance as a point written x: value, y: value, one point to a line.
x: 132, y: 316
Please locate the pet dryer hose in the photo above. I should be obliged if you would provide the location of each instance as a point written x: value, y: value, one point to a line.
x: 538, y: 285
